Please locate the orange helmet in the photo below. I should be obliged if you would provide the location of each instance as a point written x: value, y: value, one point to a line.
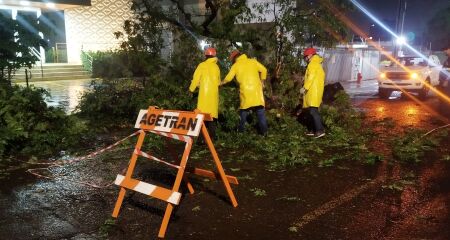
x: 309, y: 51
x: 210, y: 52
x: 234, y: 54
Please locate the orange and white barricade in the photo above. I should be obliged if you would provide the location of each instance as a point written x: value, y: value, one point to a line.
x: 182, y: 126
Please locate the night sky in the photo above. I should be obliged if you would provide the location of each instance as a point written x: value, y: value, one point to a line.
x: 418, y: 13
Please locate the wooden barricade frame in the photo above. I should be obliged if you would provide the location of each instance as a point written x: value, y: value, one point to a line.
x: 182, y: 126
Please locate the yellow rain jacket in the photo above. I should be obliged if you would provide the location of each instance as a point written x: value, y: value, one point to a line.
x: 314, y: 83
x: 249, y: 73
x: 207, y: 78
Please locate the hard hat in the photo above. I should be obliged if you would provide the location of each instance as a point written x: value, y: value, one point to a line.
x: 210, y: 52
x: 234, y: 54
x: 309, y: 51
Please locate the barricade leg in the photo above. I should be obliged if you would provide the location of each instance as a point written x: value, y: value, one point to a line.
x: 130, y: 170
x: 219, y: 165
x: 176, y: 186
x: 174, y: 156
x: 188, y: 185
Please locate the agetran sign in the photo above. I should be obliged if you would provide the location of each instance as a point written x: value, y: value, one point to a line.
x: 178, y: 122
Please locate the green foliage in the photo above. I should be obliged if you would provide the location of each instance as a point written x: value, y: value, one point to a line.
x: 107, y: 226
x: 28, y: 126
x: 412, y: 146
x: 258, y: 192
x: 196, y: 209
x: 115, y: 102
x: 287, y: 146
x: 16, y: 38
x: 236, y: 24
x: 122, y: 64
x: 399, y: 185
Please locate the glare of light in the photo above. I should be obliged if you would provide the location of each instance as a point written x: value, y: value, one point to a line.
x: 401, y: 40
x: 239, y: 44
x: 203, y: 44
x: 24, y: 3
x: 383, y: 75
x: 411, y: 111
x: 414, y: 75
x: 380, y: 109
x: 375, y: 19
x: 50, y: 5
x: 415, y: 51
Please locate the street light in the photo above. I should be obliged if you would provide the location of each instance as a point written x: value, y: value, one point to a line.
x: 401, y: 40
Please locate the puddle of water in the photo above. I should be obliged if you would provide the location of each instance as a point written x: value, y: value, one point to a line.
x: 64, y: 93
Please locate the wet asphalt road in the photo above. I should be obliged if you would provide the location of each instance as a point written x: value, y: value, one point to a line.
x: 48, y: 209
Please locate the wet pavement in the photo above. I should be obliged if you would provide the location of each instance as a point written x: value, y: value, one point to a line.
x: 64, y: 93
x: 349, y: 201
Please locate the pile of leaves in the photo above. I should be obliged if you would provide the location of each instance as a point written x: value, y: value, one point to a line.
x: 287, y: 145
x: 412, y: 146
x: 29, y: 127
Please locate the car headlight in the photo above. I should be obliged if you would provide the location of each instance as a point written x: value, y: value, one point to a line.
x: 383, y: 75
x: 414, y: 75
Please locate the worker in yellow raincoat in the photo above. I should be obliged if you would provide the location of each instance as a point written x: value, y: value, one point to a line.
x: 250, y: 75
x: 207, y: 79
x: 312, y: 92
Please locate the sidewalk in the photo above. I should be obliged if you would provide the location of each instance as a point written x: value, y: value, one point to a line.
x: 365, y: 88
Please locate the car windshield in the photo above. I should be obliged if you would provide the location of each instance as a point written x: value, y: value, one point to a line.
x: 412, y: 61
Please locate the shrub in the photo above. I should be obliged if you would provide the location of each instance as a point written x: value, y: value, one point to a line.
x: 122, y: 64
x: 117, y: 102
x: 28, y: 126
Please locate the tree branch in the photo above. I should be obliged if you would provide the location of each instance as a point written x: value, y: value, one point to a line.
x: 187, y: 16
x: 172, y: 21
x: 209, y: 4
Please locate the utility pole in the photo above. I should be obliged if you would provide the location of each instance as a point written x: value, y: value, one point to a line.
x: 400, y: 22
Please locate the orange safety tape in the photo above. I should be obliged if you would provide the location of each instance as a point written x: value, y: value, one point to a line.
x: 183, y: 138
x: 98, y: 151
x: 32, y: 171
x: 58, y: 163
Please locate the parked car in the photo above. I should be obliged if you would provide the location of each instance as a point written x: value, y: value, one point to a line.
x: 411, y: 74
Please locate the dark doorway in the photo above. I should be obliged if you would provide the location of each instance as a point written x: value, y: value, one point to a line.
x: 53, y: 27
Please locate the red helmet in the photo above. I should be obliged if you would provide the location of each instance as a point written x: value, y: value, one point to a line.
x: 309, y: 51
x: 234, y: 54
x: 210, y: 52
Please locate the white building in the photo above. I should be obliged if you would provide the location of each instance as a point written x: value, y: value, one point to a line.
x: 77, y: 24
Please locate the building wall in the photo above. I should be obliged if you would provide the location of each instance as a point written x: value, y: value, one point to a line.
x: 343, y: 65
x: 92, y: 28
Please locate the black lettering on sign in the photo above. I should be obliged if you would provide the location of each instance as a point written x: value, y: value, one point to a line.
x: 182, y: 124
x: 167, y: 118
x: 173, y: 122
x: 151, y: 119
x: 158, y: 120
x: 192, y: 123
x: 143, y: 120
